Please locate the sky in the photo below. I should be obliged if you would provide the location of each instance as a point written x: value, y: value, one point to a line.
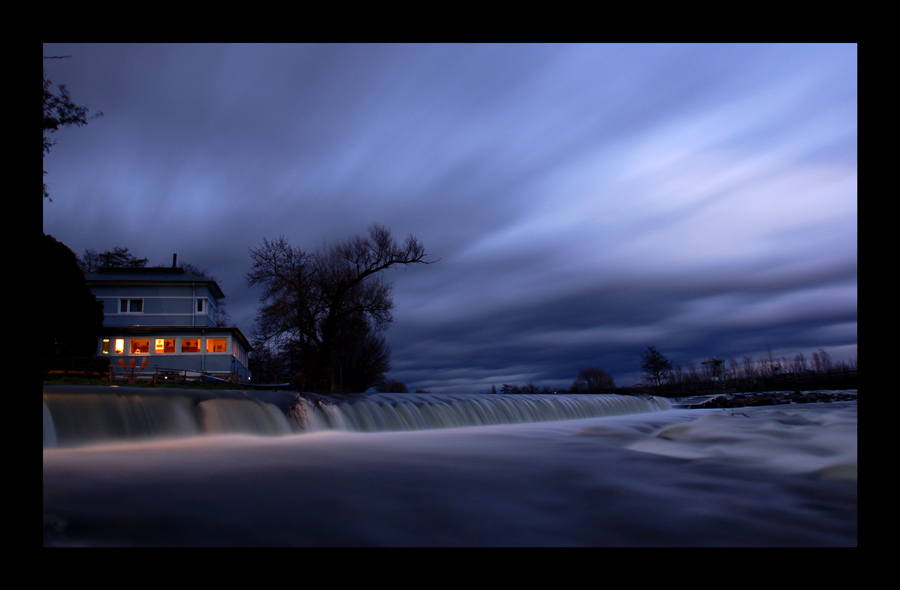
x: 585, y: 201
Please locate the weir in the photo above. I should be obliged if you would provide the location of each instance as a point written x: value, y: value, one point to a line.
x: 392, y: 412
x: 78, y: 416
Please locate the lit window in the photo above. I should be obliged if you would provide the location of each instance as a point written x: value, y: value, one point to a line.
x: 164, y: 346
x: 131, y: 305
x: 216, y: 344
x: 190, y: 345
x: 140, y: 345
x: 104, y: 348
x: 120, y: 346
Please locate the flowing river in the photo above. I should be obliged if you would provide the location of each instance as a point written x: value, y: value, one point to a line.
x: 141, y: 467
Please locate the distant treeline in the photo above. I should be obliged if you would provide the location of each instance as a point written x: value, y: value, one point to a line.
x: 762, y: 374
x: 589, y: 380
x: 662, y: 377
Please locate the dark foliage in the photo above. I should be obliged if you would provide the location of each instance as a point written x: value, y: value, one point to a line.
x: 72, y: 315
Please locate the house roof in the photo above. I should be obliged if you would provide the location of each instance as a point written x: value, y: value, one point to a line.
x: 144, y: 275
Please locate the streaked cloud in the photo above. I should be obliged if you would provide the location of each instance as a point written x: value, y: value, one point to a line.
x: 585, y: 200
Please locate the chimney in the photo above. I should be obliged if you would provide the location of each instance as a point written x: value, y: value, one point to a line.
x: 174, y: 259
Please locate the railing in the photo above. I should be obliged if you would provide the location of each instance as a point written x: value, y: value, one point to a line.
x: 74, y: 373
x: 132, y: 374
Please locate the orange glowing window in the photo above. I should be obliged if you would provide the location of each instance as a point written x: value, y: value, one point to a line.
x: 165, y: 345
x: 140, y: 346
x: 120, y: 346
x: 216, y: 344
x: 190, y: 345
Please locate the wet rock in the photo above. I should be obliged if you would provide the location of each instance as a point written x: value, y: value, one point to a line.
x: 771, y: 398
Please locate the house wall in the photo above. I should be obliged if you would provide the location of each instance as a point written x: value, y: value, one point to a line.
x: 161, y: 305
x: 232, y: 360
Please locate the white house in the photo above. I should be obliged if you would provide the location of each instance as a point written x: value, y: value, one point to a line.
x: 166, y: 316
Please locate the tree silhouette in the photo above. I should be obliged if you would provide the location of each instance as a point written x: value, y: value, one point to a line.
x: 118, y: 257
x: 72, y: 315
x: 593, y: 380
x: 329, y: 305
x: 655, y: 366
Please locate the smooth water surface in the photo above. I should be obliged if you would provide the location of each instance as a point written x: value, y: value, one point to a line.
x: 771, y: 476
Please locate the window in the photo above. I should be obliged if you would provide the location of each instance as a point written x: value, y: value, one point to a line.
x: 203, y: 306
x: 140, y: 346
x: 119, y: 346
x: 131, y: 305
x: 164, y: 345
x: 190, y: 345
x: 216, y: 344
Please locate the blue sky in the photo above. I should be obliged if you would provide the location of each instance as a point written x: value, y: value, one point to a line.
x: 586, y: 201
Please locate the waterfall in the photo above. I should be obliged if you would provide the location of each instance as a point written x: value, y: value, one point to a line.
x: 391, y: 412
x: 49, y: 429
x: 224, y: 415
x: 77, y: 419
x: 93, y: 415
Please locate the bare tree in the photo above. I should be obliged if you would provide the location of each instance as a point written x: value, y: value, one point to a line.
x: 118, y: 257
x: 267, y: 364
x: 655, y: 366
x: 769, y: 363
x: 733, y: 368
x: 675, y: 378
x: 360, y: 358
x: 799, y: 363
x: 748, y: 369
x: 821, y: 361
x: 531, y: 388
x: 330, y: 302
x: 593, y: 380
x: 692, y: 375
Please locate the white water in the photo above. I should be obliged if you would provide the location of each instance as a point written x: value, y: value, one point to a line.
x: 403, y: 412
x: 78, y: 418
x: 768, y: 476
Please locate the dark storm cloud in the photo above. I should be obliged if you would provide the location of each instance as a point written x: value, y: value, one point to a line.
x: 585, y: 201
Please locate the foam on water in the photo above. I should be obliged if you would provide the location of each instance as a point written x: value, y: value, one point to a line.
x: 794, y: 440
